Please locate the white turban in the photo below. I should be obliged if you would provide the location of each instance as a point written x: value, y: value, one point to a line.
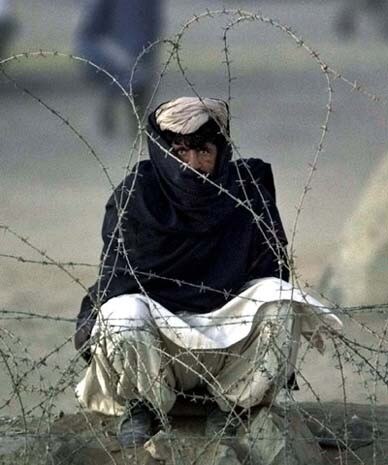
x: 186, y: 115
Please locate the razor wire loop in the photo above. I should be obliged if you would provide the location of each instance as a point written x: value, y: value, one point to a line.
x: 346, y: 352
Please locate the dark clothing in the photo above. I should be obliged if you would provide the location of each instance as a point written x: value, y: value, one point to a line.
x: 184, y: 242
x: 113, y: 33
x: 347, y: 20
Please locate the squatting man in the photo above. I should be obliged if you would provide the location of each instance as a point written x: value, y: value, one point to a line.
x: 193, y: 288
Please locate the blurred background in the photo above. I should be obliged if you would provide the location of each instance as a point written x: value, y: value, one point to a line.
x: 53, y: 190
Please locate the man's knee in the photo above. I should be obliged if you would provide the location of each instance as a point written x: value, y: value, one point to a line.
x: 125, y: 312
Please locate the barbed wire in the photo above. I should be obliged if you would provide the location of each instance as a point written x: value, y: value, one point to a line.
x: 272, y: 332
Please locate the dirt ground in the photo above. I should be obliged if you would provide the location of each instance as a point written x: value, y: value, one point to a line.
x: 90, y: 438
x: 53, y: 191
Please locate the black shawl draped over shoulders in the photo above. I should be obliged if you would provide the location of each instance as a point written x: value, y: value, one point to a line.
x: 189, y: 244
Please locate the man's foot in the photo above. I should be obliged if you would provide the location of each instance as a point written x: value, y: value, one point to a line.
x: 135, y: 425
x: 219, y: 422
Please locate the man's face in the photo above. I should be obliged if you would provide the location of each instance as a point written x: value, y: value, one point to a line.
x: 202, y: 159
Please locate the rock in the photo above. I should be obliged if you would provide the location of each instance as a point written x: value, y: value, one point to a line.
x: 175, y: 450
x: 366, y: 431
x: 353, y: 434
x: 226, y: 456
x: 273, y: 439
x: 159, y: 446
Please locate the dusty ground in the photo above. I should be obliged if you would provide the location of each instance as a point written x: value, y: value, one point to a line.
x: 53, y: 191
x: 89, y: 438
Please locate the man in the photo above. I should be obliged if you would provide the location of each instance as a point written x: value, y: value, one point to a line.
x: 192, y: 290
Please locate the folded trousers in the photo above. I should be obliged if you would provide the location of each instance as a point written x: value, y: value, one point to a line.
x: 133, y: 359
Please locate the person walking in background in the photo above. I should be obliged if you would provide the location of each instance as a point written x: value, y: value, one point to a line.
x: 112, y: 34
x: 8, y: 26
x: 350, y: 11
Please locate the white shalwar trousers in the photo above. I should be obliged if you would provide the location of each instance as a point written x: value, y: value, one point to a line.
x: 239, y: 352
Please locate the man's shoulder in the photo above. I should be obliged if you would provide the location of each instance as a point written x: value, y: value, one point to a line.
x: 252, y: 166
x: 256, y: 170
x: 140, y: 168
x: 141, y: 173
x: 251, y: 161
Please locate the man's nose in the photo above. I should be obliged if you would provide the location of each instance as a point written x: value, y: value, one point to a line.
x: 193, y: 160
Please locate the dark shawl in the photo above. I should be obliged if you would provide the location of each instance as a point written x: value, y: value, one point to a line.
x: 181, y: 240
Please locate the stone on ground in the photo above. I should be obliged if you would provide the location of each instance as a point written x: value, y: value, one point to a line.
x: 276, y: 439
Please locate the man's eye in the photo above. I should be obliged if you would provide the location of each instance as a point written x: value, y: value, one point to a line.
x: 204, y: 151
x: 179, y: 152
